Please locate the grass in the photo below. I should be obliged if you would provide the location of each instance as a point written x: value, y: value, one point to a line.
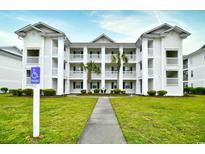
x: 161, y: 119
x: 62, y: 119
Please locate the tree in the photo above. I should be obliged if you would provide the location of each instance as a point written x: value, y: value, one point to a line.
x: 118, y: 60
x: 90, y: 67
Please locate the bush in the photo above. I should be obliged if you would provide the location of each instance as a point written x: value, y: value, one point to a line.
x: 116, y: 91
x: 89, y: 92
x: 151, y: 92
x: 4, y: 89
x: 161, y: 92
x: 13, y: 91
x: 49, y: 92
x: 103, y: 91
x: 28, y: 92
x: 111, y: 91
x: 123, y: 92
x: 187, y: 90
x: 83, y: 91
x: 199, y: 90
x: 97, y: 91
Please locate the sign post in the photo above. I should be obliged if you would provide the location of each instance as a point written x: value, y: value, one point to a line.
x: 35, y: 80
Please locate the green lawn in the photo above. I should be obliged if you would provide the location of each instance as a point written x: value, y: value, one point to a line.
x: 62, y: 119
x: 161, y: 120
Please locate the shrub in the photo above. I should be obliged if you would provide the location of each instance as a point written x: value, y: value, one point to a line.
x: 4, y: 89
x: 161, y: 92
x: 103, y: 91
x: 28, y: 92
x: 199, y: 90
x: 123, y: 92
x: 97, y: 91
x: 117, y: 91
x: 187, y: 90
x: 112, y: 91
x: 49, y: 92
x: 151, y: 92
x: 83, y: 91
x: 89, y: 92
x: 12, y: 91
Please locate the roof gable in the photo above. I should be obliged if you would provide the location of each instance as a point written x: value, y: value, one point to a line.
x: 103, y: 39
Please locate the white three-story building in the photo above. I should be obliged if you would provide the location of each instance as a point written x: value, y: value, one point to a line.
x: 154, y: 60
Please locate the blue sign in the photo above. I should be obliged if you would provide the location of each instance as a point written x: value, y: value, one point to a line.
x: 35, y: 75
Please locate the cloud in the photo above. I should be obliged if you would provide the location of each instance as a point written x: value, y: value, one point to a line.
x: 8, y: 39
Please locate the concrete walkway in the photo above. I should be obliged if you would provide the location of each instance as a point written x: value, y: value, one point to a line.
x: 102, y: 127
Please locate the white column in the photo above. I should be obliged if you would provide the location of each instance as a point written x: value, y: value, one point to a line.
x: 103, y: 67
x: 144, y: 66
x: 60, y: 65
x: 180, y: 73
x: 24, y: 76
x: 85, y: 60
x: 41, y: 54
x: 121, y: 70
x: 163, y: 63
x: 68, y: 72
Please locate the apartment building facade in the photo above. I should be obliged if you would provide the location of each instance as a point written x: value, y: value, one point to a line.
x: 154, y: 61
x: 10, y: 67
x: 194, y: 68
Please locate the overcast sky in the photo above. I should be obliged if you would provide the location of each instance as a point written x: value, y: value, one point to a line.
x: 121, y: 26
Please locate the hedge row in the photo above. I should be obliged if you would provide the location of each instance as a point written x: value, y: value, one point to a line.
x: 197, y: 90
x: 154, y: 92
x: 103, y: 91
x: 29, y: 92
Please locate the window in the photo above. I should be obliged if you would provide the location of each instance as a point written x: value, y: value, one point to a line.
x: 28, y: 73
x: 150, y: 43
x: 140, y: 66
x: 192, y: 73
x: 127, y: 85
x: 77, y: 85
x: 172, y: 78
x: 113, y: 85
x: 140, y: 48
x: 95, y: 85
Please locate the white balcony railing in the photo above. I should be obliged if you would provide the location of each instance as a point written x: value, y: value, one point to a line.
x: 55, y: 71
x: 172, y: 81
x: 129, y: 74
x: 150, y: 71
x: 76, y: 74
x: 95, y: 75
x: 76, y: 57
x: 150, y: 52
x: 111, y: 74
x: 108, y: 57
x: 55, y: 51
x: 32, y: 60
x: 131, y: 58
x: 172, y: 61
x: 94, y: 57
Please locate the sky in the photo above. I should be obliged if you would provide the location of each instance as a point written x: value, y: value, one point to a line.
x: 121, y: 26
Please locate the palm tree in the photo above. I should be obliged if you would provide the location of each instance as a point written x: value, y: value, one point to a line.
x: 118, y: 60
x: 90, y: 67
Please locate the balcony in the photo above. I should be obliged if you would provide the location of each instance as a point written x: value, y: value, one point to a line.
x: 140, y: 73
x: 150, y: 52
x: 139, y: 56
x: 55, y: 51
x: 65, y: 73
x: 108, y: 57
x: 111, y: 74
x: 94, y: 57
x: 172, y: 61
x: 185, y: 66
x: 95, y: 75
x: 65, y: 55
x: 76, y: 57
x: 131, y: 58
x: 129, y: 74
x: 76, y: 74
x: 150, y: 71
x: 55, y: 71
x: 32, y: 60
x: 172, y: 81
